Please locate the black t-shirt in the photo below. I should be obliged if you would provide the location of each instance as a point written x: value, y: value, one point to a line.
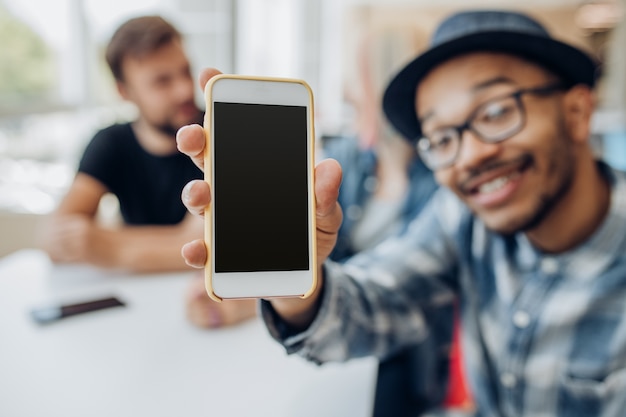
x: 147, y: 186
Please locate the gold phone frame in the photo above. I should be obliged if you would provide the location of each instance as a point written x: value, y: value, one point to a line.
x: 208, y: 177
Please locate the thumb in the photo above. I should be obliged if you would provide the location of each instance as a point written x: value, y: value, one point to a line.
x: 327, y: 182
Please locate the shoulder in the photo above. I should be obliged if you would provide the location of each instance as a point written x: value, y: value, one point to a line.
x: 118, y: 130
x: 112, y: 137
x: 109, y: 143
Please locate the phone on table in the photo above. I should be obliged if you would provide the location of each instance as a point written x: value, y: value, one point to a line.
x: 55, y: 312
x: 259, y: 161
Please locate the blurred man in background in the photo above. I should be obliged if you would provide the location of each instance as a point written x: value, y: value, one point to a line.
x: 137, y: 162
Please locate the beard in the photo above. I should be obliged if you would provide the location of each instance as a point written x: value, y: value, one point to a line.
x: 167, y: 128
x: 170, y: 127
x: 561, y: 165
x: 546, y: 205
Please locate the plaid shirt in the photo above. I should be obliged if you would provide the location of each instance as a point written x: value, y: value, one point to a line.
x: 543, y: 335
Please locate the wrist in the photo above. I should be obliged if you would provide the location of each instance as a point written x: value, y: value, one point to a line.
x: 299, y: 313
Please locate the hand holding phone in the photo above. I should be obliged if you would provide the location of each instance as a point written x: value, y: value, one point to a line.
x: 259, y: 160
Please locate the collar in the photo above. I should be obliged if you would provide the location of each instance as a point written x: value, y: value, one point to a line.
x: 589, y: 259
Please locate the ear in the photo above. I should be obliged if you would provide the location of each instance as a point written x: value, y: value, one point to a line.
x: 578, y: 108
x: 122, y: 90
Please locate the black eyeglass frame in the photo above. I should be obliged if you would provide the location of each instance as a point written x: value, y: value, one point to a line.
x: 423, y: 143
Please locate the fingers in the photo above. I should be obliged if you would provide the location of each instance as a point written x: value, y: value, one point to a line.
x: 196, y: 196
x: 200, y: 308
x: 196, y: 289
x: 206, y: 313
x: 195, y: 253
x: 191, y: 141
x: 202, y: 315
x: 205, y: 75
x: 327, y: 183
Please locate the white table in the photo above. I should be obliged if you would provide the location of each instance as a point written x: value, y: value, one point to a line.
x: 145, y: 359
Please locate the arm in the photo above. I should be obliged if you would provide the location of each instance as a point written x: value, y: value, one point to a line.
x: 72, y: 234
x: 62, y: 236
x: 142, y: 248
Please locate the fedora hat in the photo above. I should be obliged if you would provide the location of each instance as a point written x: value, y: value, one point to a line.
x: 483, y: 30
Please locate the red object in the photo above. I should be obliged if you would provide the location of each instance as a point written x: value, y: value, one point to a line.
x: 458, y: 395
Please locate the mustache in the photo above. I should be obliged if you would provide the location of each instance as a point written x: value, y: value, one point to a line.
x: 466, y: 183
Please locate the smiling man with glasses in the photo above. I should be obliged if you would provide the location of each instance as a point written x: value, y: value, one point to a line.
x: 528, y: 235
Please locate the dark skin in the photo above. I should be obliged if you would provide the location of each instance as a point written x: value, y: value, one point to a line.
x: 557, y: 196
x: 553, y: 189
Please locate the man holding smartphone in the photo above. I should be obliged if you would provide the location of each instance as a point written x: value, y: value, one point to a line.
x: 137, y: 162
x: 528, y: 232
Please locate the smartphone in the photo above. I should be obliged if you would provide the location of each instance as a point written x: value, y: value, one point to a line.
x: 259, y: 161
x: 55, y: 312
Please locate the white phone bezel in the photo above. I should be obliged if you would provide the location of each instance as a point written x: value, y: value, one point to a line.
x: 263, y: 284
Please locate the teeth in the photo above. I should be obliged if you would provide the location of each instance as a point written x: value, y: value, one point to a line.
x: 495, y: 184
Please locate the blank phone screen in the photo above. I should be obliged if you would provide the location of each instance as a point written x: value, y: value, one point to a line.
x: 260, y: 188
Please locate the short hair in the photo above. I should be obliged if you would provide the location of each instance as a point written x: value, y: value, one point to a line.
x: 137, y: 38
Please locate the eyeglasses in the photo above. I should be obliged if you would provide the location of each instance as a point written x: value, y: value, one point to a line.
x: 492, y: 122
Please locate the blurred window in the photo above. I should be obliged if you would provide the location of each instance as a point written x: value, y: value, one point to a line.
x: 55, y: 92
